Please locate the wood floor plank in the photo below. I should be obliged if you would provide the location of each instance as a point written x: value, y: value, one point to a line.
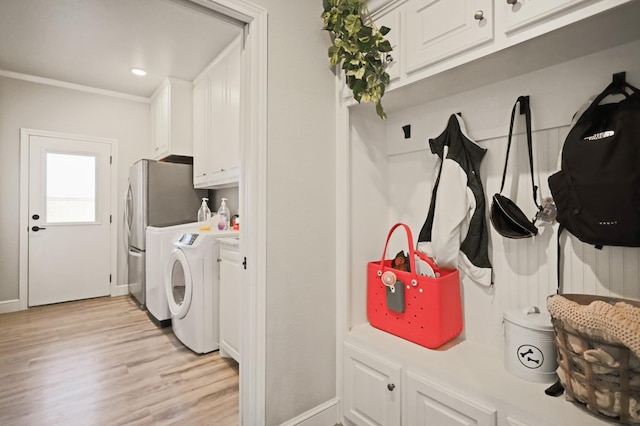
x: 103, y: 362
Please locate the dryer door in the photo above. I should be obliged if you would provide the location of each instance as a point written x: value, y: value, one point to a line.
x: 178, y: 283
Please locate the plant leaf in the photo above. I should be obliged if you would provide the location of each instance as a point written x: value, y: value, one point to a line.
x: 385, y: 46
x: 380, y: 110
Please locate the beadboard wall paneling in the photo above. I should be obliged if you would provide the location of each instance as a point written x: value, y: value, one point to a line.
x: 525, y: 270
x: 391, y: 180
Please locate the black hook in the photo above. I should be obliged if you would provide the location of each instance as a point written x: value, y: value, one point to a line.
x: 620, y: 79
x: 407, y: 131
x: 524, y: 104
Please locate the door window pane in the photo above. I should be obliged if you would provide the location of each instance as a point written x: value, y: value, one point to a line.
x: 70, y: 188
x: 178, y: 283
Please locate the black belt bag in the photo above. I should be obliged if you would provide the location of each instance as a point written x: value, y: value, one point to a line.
x: 506, y: 217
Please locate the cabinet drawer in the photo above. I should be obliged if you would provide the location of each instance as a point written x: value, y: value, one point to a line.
x: 525, y: 13
x: 439, y: 29
x: 428, y: 403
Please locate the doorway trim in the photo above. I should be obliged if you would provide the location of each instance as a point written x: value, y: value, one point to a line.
x: 253, y: 202
x: 25, y: 134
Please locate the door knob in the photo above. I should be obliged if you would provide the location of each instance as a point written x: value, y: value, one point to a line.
x: 512, y: 1
x: 36, y: 228
x: 479, y: 15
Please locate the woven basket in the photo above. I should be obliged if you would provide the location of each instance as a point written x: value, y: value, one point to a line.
x: 606, y: 391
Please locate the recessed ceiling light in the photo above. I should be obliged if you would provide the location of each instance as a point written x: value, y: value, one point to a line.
x: 138, y: 71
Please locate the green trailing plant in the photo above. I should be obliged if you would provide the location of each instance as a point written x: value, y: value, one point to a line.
x: 361, y: 48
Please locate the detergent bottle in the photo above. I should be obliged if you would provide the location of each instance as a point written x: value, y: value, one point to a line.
x: 203, y: 216
x: 223, y: 216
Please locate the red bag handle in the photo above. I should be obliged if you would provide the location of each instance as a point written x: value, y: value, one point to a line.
x: 412, y: 252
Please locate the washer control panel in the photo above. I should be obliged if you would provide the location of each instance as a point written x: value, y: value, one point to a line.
x: 187, y: 239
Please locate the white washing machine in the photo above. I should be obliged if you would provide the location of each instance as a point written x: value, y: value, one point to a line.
x: 159, y: 246
x: 192, y: 287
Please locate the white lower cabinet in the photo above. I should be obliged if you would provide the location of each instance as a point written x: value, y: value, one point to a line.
x: 230, y: 297
x: 372, y: 388
x: 377, y: 393
x: 429, y: 403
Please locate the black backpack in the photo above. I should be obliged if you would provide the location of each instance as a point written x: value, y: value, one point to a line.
x: 597, y: 190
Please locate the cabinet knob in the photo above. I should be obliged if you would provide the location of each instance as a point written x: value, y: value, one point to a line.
x: 479, y: 15
x: 391, y: 387
x: 512, y: 1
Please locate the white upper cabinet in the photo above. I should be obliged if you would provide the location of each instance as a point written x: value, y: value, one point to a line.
x: 200, y: 130
x: 433, y: 36
x: 439, y: 29
x: 216, y: 121
x: 524, y: 13
x: 171, y: 119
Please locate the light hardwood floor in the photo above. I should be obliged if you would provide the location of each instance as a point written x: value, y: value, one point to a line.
x: 103, y: 362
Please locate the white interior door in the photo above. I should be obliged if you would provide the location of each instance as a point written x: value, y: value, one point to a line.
x: 69, y: 219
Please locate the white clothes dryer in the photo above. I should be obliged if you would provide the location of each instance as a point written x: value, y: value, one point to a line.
x: 192, y: 287
x: 159, y: 246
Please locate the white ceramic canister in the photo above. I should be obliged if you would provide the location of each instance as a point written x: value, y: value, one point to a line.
x: 529, y: 347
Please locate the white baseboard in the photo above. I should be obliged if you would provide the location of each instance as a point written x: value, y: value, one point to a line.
x: 323, y: 415
x: 9, y: 306
x: 119, y: 290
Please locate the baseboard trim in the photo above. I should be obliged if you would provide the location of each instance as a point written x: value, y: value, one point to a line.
x: 119, y: 290
x: 9, y: 306
x: 322, y: 415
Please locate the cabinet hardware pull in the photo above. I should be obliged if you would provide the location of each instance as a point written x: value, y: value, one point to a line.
x: 479, y: 16
x: 391, y: 387
x: 512, y: 1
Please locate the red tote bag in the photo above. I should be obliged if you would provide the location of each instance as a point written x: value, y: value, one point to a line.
x: 431, y: 314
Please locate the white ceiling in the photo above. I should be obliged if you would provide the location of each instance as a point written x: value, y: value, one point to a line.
x: 96, y: 42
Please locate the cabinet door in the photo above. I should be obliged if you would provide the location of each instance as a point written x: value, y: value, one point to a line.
x: 201, y: 162
x: 524, y: 13
x: 439, y: 29
x: 230, y: 294
x: 224, y: 95
x: 371, y: 389
x: 160, y: 122
x: 230, y: 149
x: 428, y: 403
x: 216, y: 116
x: 392, y: 21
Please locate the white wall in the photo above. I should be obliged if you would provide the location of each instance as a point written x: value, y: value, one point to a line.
x: 25, y: 104
x: 301, y: 312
